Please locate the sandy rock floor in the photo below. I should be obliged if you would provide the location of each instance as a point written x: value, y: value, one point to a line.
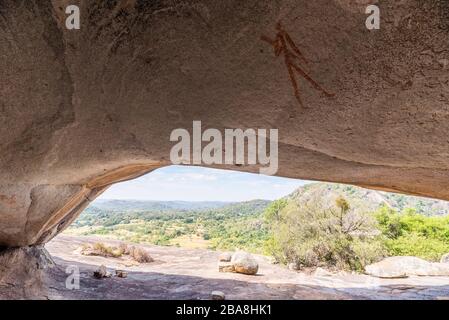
x: 179, y: 273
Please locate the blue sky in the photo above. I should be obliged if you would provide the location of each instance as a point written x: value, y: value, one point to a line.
x: 202, y: 184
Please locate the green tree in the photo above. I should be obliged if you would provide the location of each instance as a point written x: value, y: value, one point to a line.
x: 412, y: 234
x: 272, y: 211
x: 315, y: 234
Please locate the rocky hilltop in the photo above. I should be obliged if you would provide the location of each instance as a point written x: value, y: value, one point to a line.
x: 368, y: 199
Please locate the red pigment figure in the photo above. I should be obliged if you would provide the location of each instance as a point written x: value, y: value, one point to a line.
x: 284, y: 44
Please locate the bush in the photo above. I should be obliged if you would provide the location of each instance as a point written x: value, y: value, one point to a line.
x: 414, y: 244
x: 140, y: 255
x: 101, y: 249
x: 312, y: 234
x: 411, y: 234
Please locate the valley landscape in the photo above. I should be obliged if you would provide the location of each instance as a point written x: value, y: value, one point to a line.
x: 248, y: 225
x: 337, y: 233
x: 188, y: 100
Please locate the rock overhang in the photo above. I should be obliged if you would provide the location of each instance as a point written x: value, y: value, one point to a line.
x: 82, y: 109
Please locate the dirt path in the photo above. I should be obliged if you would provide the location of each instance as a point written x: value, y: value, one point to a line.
x: 179, y: 273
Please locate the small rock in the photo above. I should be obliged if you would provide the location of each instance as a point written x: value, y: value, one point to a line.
x: 244, y: 263
x: 225, y: 257
x: 101, y: 272
x: 293, y: 266
x: 445, y: 258
x: 217, y: 295
x: 121, y: 273
x: 226, y: 267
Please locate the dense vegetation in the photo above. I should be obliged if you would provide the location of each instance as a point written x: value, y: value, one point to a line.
x: 314, y: 233
x: 328, y: 225
x: 230, y: 226
x: 311, y: 234
x: 411, y: 234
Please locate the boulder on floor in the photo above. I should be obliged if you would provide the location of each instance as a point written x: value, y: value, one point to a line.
x: 217, y: 295
x: 121, y: 273
x: 240, y: 262
x: 244, y: 263
x: 102, y: 272
x: 226, y: 267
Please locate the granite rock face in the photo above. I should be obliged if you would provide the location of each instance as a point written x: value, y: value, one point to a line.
x: 400, y: 267
x: 24, y: 273
x: 83, y: 109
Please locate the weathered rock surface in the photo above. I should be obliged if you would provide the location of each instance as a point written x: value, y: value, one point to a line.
x: 180, y: 273
x: 23, y: 273
x: 399, y: 267
x: 83, y: 109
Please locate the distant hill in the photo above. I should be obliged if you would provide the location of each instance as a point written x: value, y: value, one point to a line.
x: 224, y: 225
x: 114, y: 212
x: 138, y: 205
x: 326, y: 192
x: 368, y: 199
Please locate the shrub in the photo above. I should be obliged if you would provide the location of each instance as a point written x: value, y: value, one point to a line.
x: 311, y: 234
x: 140, y: 255
x: 411, y: 234
x: 101, y: 249
x: 414, y: 244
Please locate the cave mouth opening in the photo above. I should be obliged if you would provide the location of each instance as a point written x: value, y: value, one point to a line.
x: 203, y: 208
x: 178, y: 205
x: 176, y: 222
